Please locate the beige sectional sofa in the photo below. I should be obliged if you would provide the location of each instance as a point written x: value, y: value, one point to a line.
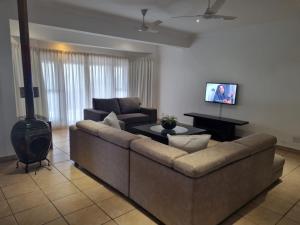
x: 202, y: 188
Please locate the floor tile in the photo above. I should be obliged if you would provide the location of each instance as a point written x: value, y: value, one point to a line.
x: 59, y: 221
x: 286, y: 221
x: 72, y: 203
x: 60, y: 190
x: 27, y: 201
x: 9, y: 168
x: 18, y: 189
x: 64, y: 165
x: 50, y: 180
x: 111, y: 223
x: 90, y: 216
x: 65, y: 147
x: 294, y: 214
x: 2, y: 198
x: 263, y: 216
x: 286, y: 192
x: 290, y: 165
x: 115, y: 206
x: 293, y: 177
x: 4, y: 209
x: 43, y: 172
x: 9, y: 179
x: 134, y: 218
x: 38, y: 215
x: 275, y: 204
x: 85, y: 183
x: 60, y: 157
x: 99, y: 194
x: 10, y: 220
x: 73, y: 173
x: 237, y: 219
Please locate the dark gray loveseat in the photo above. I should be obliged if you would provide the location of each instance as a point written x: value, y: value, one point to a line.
x: 128, y: 110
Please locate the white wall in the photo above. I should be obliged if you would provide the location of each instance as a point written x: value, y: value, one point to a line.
x: 68, y: 19
x: 263, y: 59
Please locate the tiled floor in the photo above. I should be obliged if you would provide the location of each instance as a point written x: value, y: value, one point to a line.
x: 67, y: 195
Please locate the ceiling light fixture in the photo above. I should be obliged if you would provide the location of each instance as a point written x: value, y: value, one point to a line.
x: 198, y: 20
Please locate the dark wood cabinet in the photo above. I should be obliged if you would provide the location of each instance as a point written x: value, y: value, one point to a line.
x: 221, y: 128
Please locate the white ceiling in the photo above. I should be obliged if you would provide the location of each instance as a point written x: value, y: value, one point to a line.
x: 247, y: 11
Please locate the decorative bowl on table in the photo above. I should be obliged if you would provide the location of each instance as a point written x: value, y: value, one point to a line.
x: 168, y: 122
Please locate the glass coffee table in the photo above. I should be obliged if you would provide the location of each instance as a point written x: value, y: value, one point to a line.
x: 158, y: 133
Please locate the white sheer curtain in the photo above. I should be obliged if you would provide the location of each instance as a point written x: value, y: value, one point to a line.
x: 68, y: 82
x: 40, y: 103
x: 141, y: 72
x: 64, y: 78
x: 108, y: 77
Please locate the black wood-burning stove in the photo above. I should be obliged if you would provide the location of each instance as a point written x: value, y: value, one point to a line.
x: 31, y: 138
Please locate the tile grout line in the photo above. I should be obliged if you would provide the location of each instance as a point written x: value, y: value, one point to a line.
x: 291, y: 171
x: 284, y: 215
x: 94, y: 203
x: 12, y: 213
x: 113, y: 219
x: 51, y: 204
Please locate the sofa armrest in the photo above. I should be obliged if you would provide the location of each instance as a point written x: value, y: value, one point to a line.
x: 95, y: 115
x: 151, y: 112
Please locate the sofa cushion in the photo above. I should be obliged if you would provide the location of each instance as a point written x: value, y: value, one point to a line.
x: 90, y: 126
x: 134, y: 118
x: 129, y: 105
x: 258, y: 142
x: 208, y: 160
x: 117, y: 137
x: 189, y: 143
x: 156, y: 151
x: 112, y: 121
x: 107, y: 105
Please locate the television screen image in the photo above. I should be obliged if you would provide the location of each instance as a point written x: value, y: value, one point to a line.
x: 222, y: 93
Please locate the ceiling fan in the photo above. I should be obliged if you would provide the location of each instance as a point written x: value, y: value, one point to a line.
x: 211, y: 12
x: 148, y: 27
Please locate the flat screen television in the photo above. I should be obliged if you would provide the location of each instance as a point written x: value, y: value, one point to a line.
x: 223, y: 93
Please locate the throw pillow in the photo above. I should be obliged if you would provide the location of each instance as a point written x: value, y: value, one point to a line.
x: 189, y: 143
x: 112, y: 120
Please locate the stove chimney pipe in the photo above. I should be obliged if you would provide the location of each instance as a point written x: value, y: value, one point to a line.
x: 26, y: 61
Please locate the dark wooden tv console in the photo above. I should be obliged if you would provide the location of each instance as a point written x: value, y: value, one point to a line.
x: 221, y: 128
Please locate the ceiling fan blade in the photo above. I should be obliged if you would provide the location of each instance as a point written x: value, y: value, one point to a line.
x: 175, y: 17
x: 224, y: 17
x: 217, y: 6
x: 155, y: 23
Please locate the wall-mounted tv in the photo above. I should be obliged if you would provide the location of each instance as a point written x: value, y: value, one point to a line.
x: 223, y: 93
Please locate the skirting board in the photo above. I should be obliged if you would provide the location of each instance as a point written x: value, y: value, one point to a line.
x: 280, y: 147
x: 8, y: 158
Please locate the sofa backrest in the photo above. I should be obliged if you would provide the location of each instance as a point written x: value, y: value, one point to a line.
x: 107, y: 105
x: 208, y: 160
x: 90, y: 126
x: 156, y: 151
x: 129, y: 105
x: 115, y: 136
x: 258, y: 142
x: 201, y: 163
x: 118, y: 137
